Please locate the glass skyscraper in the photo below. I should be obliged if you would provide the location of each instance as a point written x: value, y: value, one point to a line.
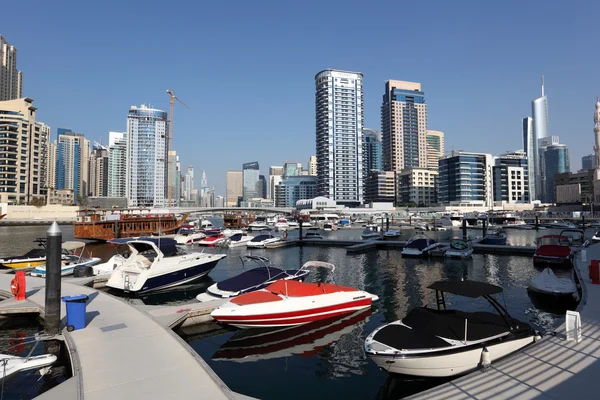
x: 531, y: 152
x: 339, y: 130
x: 588, y: 162
x: 251, y: 182
x: 556, y: 161
x: 371, y: 151
x: 540, y: 130
x: 465, y: 178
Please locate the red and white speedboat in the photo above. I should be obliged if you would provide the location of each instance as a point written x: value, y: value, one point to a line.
x: 212, y: 240
x: 290, y: 303
x: 553, y: 251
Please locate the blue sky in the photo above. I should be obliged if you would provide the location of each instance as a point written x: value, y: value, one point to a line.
x: 246, y: 69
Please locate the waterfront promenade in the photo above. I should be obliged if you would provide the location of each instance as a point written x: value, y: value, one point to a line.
x: 551, y: 369
x: 124, y: 352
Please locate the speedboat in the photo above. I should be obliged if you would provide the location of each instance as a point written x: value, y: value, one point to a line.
x: 10, y: 365
x: 596, y: 237
x: 239, y: 239
x: 70, y: 261
x: 313, y: 233
x: 281, y: 225
x: 32, y: 258
x: 419, y: 245
x: 371, y: 232
x: 459, y: 249
x: 552, y: 291
x: 187, y: 235
x: 442, y: 343
x: 292, y: 224
x: 259, y: 224
x: 206, y: 225
x: 107, y: 268
x: 421, y: 226
x: 260, y: 241
x: 159, y: 264
x: 252, y: 279
x: 328, y: 226
x: 212, y: 238
x: 251, y: 345
x: 290, y: 303
x: 439, y: 228
x: 576, y: 237
x: 392, y: 235
x: 560, y: 224
x: 553, y: 251
x: 525, y: 227
x: 497, y: 238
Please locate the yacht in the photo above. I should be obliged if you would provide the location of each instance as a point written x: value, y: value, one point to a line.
x: 188, y: 235
x: 282, y: 225
x: 260, y: 241
x: 239, y: 239
x: 292, y: 224
x: 259, y: 224
x: 329, y: 226
x: 497, y: 237
x: 313, y: 233
x: 452, y: 219
x: 439, y: 342
x: 419, y: 245
x: 156, y: 264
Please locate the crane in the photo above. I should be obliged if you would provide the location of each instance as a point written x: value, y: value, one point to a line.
x: 172, y: 109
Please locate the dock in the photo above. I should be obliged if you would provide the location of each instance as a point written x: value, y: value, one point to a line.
x: 553, y: 368
x: 125, y: 351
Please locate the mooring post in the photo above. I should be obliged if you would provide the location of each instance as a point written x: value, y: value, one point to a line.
x: 537, y: 223
x: 53, y: 254
x: 583, y: 221
x: 484, y: 228
x: 300, y: 219
x: 387, y: 223
x: 464, y: 228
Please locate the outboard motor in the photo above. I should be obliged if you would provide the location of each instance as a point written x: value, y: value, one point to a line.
x: 83, y: 271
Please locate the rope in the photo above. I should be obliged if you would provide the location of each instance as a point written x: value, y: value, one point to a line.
x: 5, y: 361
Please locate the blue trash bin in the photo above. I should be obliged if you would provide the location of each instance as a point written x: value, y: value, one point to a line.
x: 75, y: 311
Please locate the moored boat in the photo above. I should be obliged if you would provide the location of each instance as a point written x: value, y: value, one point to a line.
x: 32, y: 258
x: 70, y: 260
x: 497, y: 237
x: 188, y: 235
x: 313, y: 233
x: 392, y: 234
x: 459, y: 248
x: 371, y: 231
x: 419, y: 245
x: 260, y: 241
x: 553, y: 251
x: 552, y: 292
x: 10, y: 364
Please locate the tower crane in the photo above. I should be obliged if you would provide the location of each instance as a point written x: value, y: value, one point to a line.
x: 171, y: 110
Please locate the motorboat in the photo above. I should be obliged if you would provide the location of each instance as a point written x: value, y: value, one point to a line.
x: 32, y: 258
x: 497, y: 237
x: 239, y: 239
x: 281, y: 225
x: 419, y: 245
x: 552, y: 291
x: 290, y: 303
x: 11, y: 365
x: 106, y: 269
x: 421, y: 226
x: 371, y: 231
x: 260, y: 241
x: 430, y: 342
x: 251, y: 279
x: 70, y: 261
x: 392, y: 234
x: 439, y: 228
x: 188, y: 235
x: 292, y: 224
x: 459, y: 248
x: 212, y: 238
x: 206, y: 225
x: 553, y: 251
x: 576, y: 237
x: 157, y: 263
x: 524, y: 227
x: 259, y: 224
x: 250, y: 345
x: 313, y: 233
x: 560, y: 224
x: 596, y: 236
x: 452, y: 219
x: 329, y: 226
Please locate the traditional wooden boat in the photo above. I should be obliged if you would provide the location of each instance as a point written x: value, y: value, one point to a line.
x: 116, y: 223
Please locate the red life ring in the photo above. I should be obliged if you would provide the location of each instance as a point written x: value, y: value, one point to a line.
x: 14, y: 286
x: 285, y: 234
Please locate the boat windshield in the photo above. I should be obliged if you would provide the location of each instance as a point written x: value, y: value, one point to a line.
x: 554, y: 240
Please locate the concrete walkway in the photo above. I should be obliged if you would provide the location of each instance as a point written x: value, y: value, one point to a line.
x: 123, y: 353
x: 552, y: 369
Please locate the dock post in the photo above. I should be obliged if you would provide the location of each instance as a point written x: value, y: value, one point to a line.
x: 583, y: 221
x: 464, y: 228
x: 387, y: 223
x: 537, y: 223
x: 300, y: 219
x: 484, y: 228
x: 52, y: 304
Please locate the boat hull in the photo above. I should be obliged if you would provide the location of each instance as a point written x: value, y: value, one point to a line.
x: 23, y: 264
x: 552, y: 262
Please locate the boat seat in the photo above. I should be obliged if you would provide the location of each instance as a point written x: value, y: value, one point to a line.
x: 301, y: 289
x: 259, y: 296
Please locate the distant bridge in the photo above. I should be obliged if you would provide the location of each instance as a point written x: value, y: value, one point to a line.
x: 210, y: 210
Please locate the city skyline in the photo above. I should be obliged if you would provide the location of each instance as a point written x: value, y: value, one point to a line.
x: 480, y: 74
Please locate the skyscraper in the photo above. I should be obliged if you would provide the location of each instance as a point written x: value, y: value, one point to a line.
x: 98, y: 171
x: 312, y: 166
x: 556, y: 161
x: 530, y: 144
x: 234, y: 181
x: 275, y: 176
x: 435, y: 148
x: 117, y: 164
x: 371, y: 151
x: 250, y: 179
x: 11, y: 79
x: 51, y: 166
x: 339, y: 126
x: 404, y: 126
x: 147, y: 157
x: 72, y: 164
x: 175, y: 183
x: 262, y: 182
x: 540, y: 129
x: 511, y: 180
x: 292, y: 169
x: 588, y: 162
x: 466, y: 178
x: 189, y: 183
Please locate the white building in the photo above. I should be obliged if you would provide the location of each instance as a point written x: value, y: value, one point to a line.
x: 146, y: 157
x: 540, y: 130
x: 275, y: 176
x: 416, y: 185
x: 312, y: 165
x: 511, y: 180
x: 117, y: 164
x: 530, y: 144
x: 188, y: 183
x: 11, y: 79
x: 339, y: 141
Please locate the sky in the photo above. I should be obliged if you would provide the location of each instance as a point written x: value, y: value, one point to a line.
x: 246, y: 69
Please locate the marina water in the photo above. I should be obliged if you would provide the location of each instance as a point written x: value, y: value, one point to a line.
x: 328, y: 361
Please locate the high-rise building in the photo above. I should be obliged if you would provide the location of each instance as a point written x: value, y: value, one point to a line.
x: 220, y: 201
x: 234, y: 182
x: 312, y: 165
x: 435, y: 148
x: 574, y: 188
x: 147, y: 157
x: 596, y: 199
x: 294, y: 188
x: 403, y: 126
x: 251, y: 183
x: 51, y: 166
x: 44, y: 153
x: 556, y: 161
x: 175, y: 168
x: 530, y: 144
x: 11, y: 79
x: 380, y: 186
x: 371, y: 151
x: 339, y: 127
x: 540, y: 129
x: 262, y: 182
x: 117, y: 164
x: 275, y: 176
x: 98, y: 171
x: 292, y: 169
x: 545, y: 184
x: 588, y: 162
x: 511, y: 178
x: 466, y: 178
x: 72, y: 164
x: 20, y: 155
x: 416, y: 187
x: 188, y: 183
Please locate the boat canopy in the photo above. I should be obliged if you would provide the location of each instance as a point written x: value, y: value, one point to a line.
x: 72, y: 245
x: 318, y: 264
x: 167, y: 246
x: 466, y: 288
x: 252, y: 278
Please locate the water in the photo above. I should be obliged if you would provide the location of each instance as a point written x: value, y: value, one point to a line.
x: 328, y: 360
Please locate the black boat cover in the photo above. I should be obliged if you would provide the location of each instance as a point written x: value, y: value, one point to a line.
x: 167, y: 246
x: 466, y: 288
x: 419, y: 244
x: 254, y: 277
x: 401, y: 337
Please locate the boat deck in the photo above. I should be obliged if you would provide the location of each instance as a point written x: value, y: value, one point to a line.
x: 551, y: 369
x: 117, y: 357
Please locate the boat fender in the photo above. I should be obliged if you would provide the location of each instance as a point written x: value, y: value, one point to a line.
x: 285, y: 234
x: 486, y: 358
x: 14, y: 286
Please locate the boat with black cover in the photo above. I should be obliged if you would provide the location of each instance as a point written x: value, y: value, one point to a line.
x: 497, y: 237
x: 420, y: 245
x: 440, y: 342
x: 251, y: 279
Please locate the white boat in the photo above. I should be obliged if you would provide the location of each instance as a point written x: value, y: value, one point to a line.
x: 330, y: 226
x: 371, y: 231
x: 156, y: 264
x: 313, y: 233
x: 292, y: 224
x: 596, y: 237
x: 392, y: 235
x: 10, y: 365
x: 419, y: 245
x: 239, y: 239
x: 290, y: 303
x: 549, y: 284
x: 188, y: 235
x: 459, y: 249
x: 439, y: 228
x: 70, y: 262
x: 282, y: 225
x: 260, y: 241
x: 259, y: 224
x: 442, y: 343
x: 206, y: 224
x: 452, y: 219
x: 251, y: 279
